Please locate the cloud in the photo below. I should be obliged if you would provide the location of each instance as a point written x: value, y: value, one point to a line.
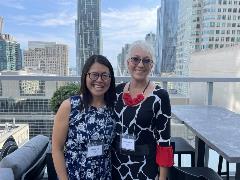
x: 63, y: 18
x: 125, y: 26
x: 12, y: 4
x: 67, y: 2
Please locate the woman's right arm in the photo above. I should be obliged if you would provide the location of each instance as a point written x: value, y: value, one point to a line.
x: 59, y: 135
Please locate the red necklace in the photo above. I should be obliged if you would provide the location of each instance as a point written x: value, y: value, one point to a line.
x: 129, y: 101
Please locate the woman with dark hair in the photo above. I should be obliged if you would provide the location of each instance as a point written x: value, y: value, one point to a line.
x: 84, y: 125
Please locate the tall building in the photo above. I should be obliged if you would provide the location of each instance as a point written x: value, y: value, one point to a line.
x: 49, y: 57
x: 10, y: 53
x: 121, y: 58
x: 1, y: 25
x: 28, y: 102
x: 88, y: 31
x: 204, y: 24
x: 166, y: 39
x: 151, y: 39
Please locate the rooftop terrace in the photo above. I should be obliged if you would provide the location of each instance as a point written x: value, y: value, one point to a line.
x: 26, y: 99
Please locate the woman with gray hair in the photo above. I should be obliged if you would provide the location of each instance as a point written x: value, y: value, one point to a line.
x: 142, y: 142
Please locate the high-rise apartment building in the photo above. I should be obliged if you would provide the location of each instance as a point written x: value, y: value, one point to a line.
x: 10, y: 53
x: 167, y: 19
x: 1, y: 25
x: 121, y: 58
x: 150, y: 38
x: 205, y: 24
x: 49, y: 57
x: 88, y: 31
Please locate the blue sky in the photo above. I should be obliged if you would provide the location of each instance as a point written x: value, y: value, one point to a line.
x: 123, y: 21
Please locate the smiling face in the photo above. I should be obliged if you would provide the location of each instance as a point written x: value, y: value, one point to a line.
x: 101, y: 85
x: 141, y: 70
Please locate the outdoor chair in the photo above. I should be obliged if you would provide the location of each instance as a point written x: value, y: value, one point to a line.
x: 183, y: 147
x: 192, y: 173
x: 220, y: 161
x: 9, y: 146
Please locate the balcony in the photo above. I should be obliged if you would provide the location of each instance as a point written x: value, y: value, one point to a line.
x: 26, y: 100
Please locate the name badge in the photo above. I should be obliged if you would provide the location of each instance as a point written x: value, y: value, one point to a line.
x: 128, y: 142
x: 94, y: 150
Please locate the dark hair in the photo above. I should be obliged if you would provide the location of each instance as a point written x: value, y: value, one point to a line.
x: 110, y: 95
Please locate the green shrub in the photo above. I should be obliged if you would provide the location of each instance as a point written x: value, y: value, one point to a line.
x: 63, y: 93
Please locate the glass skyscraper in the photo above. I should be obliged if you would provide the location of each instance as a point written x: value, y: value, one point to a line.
x: 10, y: 53
x: 88, y: 31
x: 167, y: 16
x: 205, y: 24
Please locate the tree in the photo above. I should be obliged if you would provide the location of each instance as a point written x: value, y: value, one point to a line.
x: 63, y: 93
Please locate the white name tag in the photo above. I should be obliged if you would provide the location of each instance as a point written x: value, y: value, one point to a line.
x: 128, y: 144
x: 96, y: 150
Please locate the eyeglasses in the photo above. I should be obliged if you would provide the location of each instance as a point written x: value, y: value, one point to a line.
x: 95, y: 75
x: 145, y: 61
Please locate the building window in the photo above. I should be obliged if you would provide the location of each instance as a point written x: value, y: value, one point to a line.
x: 233, y: 24
x: 217, y: 31
x: 232, y: 39
x: 210, y: 46
x: 229, y: 9
x: 212, y: 24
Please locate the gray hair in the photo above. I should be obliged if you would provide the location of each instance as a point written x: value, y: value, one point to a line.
x: 142, y: 45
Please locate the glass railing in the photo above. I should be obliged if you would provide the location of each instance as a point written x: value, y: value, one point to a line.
x: 27, y: 98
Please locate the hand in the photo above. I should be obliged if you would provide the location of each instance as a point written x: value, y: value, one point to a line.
x: 162, y: 178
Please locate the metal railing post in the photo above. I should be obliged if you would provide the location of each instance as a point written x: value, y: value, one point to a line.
x: 210, y: 93
x: 165, y: 85
x: 209, y: 102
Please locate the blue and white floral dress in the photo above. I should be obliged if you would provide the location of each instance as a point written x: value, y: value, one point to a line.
x: 96, y: 124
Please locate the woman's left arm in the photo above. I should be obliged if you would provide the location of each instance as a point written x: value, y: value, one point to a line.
x: 164, y: 152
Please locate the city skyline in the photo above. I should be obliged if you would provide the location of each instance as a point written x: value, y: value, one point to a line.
x: 122, y: 22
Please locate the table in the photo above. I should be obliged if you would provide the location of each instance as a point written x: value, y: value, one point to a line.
x: 214, y: 126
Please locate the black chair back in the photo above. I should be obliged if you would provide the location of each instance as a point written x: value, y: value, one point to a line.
x: 178, y: 174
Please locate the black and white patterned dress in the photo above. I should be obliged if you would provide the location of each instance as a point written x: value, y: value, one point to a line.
x: 96, y: 124
x: 149, y: 121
